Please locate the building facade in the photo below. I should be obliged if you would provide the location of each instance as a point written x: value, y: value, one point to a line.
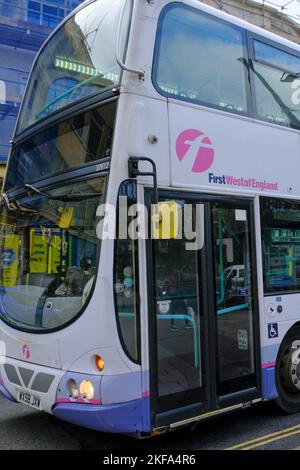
x: 262, y: 15
x: 24, y: 26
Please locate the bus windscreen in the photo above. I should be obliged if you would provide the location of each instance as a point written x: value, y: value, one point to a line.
x: 78, y: 61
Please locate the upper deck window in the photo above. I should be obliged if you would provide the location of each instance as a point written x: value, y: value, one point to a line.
x: 276, y: 58
x: 78, y: 61
x: 202, y: 59
x: 276, y: 85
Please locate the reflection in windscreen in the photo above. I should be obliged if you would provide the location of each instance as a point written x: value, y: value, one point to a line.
x: 78, y: 61
x: 48, y: 253
x: 75, y: 142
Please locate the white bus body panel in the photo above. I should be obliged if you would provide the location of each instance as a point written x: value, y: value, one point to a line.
x: 246, y: 153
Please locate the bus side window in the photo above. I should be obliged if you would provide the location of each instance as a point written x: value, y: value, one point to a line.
x: 189, y: 39
x: 281, y: 236
x: 275, y: 75
x: 126, y: 288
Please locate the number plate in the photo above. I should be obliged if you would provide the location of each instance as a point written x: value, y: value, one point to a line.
x: 30, y: 400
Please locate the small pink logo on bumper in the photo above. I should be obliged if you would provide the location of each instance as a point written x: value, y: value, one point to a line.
x: 26, y: 351
x: 195, y: 144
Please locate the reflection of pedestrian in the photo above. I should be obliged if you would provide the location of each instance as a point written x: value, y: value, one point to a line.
x: 171, y: 290
x: 191, y: 313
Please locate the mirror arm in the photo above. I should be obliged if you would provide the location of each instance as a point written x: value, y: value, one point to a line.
x: 121, y: 63
x: 134, y: 172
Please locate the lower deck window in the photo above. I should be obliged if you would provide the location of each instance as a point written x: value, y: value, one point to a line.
x: 126, y: 287
x: 281, y: 244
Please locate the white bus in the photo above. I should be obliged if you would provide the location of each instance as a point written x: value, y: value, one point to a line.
x: 131, y: 102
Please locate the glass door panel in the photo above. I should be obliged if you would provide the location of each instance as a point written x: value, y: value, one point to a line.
x: 233, y: 297
x: 178, y: 309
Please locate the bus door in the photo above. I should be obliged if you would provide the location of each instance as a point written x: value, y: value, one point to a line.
x: 203, y: 323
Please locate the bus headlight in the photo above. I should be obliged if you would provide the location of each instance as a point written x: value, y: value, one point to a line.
x: 73, y: 389
x: 87, y: 390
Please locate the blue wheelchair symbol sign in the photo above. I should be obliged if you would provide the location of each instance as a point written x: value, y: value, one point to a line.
x: 272, y: 330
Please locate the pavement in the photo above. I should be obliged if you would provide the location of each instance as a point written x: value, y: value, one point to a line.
x: 263, y: 426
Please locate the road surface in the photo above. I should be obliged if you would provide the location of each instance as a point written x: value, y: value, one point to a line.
x: 261, y: 427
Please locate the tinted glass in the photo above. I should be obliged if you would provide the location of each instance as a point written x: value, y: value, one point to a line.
x: 77, y: 141
x: 178, y: 304
x: 280, y: 221
x: 126, y: 282
x: 48, y: 253
x: 277, y: 85
x: 276, y: 57
x: 200, y: 58
x: 233, y: 297
x: 78, y: 61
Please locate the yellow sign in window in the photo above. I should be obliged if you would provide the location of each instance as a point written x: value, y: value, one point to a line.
x: 10, y: 260
x: 66, y: 218
x: 165, y: 220
x: 38, y: 253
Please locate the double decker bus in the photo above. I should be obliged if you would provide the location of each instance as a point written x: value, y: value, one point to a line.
x: 150, y: 220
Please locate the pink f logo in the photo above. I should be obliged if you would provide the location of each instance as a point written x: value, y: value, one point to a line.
x: 26, y: 351
x: 194, y: 142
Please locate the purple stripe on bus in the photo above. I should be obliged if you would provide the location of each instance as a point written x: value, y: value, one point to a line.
x: 269, y: 390
x: 79, y: 400
x: 268, y: 364
x: 127, y: 417
x: 268, y: 357
x: 269, y: 353
x: 90, y: 402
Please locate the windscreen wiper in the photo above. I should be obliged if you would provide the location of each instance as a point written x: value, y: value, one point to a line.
x: 15, y: 206
x: 5, y: 198
x: 25, y: 209
x: 64, y: 198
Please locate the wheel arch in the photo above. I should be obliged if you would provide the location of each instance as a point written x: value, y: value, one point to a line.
x: 287, y: 399
x: 287, y: 333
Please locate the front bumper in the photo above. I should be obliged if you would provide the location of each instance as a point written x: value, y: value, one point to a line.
x: 128, y: 418
x: 123, y: 410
